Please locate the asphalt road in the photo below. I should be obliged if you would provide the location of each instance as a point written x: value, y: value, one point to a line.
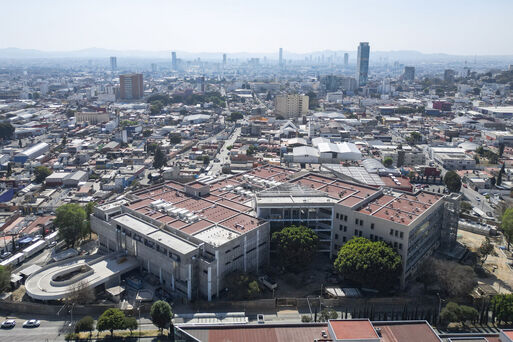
x: 223, y: 153
x: 473, y: 196
x: 51, y: 329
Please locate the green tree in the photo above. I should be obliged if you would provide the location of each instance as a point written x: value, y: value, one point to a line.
x: 5, y: 278
x: 388, y: 162
x: 85, y: 324
x: 453, y: 181
x: 450, y: 313
x: 234, y: 116
x: 111, y: 319
x: 159, y: 159
x: 130, y: 324
x: 251, y: 150
x: 507, y: 225
x: 485, y: 250
x: 175, y: 139
x: 465, y: 207
x: 253, y: 289
x: 156, y: 107
x: 161, y: 314
x: 147, y: 132
x: 6, y: 130
x: 370, y: 263
x: 41, y: 172
x: 295, y: 246
x: 467, y: 314
x: 327, y: 314
x: 70, y: 221
x: 503, y: 307
x: 499, y: 177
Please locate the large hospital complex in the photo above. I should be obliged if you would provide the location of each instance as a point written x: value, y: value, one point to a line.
x: 190, y: 236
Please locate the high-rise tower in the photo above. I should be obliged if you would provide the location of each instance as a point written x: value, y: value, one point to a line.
x: 281, y: 57
x: 113, y: 63
x: 362, y: 64
x: 173, y: 61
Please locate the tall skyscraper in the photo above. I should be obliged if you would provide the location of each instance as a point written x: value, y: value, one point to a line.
x: 346, y: 59
x: 409, y: 73
x: 281, y: 56
x: 131, y: 86
x: 362, y: 64
x: 113, y: 63
x: 173, y: 61
x: 224, y: 59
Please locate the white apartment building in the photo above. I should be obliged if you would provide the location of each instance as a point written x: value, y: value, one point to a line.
x: 291, y: 105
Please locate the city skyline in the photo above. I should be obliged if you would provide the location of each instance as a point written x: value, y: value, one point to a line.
x: 253, y: 28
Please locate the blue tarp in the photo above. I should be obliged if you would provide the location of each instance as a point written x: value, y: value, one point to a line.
x: 7, y: 195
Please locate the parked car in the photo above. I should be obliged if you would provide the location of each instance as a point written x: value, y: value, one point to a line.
x: 8, y: 324
x: 31, y: 323
x: 268, y: 282
x: 5, y: 255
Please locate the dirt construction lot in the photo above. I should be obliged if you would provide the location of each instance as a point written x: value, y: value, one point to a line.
x: 498, y: 263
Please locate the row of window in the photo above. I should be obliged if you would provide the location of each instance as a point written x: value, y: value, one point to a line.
x: 342, y: 217
x: 396, y: 233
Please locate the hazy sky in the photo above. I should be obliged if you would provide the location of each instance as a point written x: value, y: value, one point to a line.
x: 450, y: 26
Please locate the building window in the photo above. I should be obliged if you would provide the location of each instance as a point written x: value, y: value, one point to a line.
x: 345, y: 228
x: 344, y: 239
x: 336, y: 236
x: 356, y: 232
x: 372, y: 237
x: 372, y: 225
x: 345, y: 218
x: 395, y: 244
x: 396, y: 233
x: 340, y: 227
x: 360, y: 233
x: 401, y: 235
x: 338, y: 215
x: 356, y: 221
x: 400, y: 246
x: 391, y: 232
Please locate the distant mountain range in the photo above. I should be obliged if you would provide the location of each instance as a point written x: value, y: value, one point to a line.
x: 97, y: 53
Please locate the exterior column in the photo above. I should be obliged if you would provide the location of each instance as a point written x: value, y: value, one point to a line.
x: 189, y: 283
x: 209, y: 279
x: 217, y: 274
x: 245, y: 248
x: 258, y: 250
x: 160, y: 275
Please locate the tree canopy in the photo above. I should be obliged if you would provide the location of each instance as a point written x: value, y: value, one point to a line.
x: 370, y: 263
x: 111, y: 319
x: 295, y: 246
x: 161, y: 314
x: 453, y: 312
x: 453, y: 181
x: 85, y: 324
x: 6, y: 130
x: 41, y: 172
x: 70, y: 220
x: 241, y: 285
x: 159, y: 159
x: 507, y: 225
x: 388, y: 162
x: 5, y: 278
x: 503, y: 307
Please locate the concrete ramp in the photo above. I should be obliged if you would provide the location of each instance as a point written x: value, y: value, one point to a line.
x: 57, y: 280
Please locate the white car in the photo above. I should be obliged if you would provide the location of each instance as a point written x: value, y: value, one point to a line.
x: 31, y: 323
x: 8, y: 324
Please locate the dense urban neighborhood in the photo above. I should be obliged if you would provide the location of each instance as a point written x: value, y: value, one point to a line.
x: 332, y: 197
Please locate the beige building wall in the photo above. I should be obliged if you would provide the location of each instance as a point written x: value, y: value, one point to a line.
x: 292, y: 105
